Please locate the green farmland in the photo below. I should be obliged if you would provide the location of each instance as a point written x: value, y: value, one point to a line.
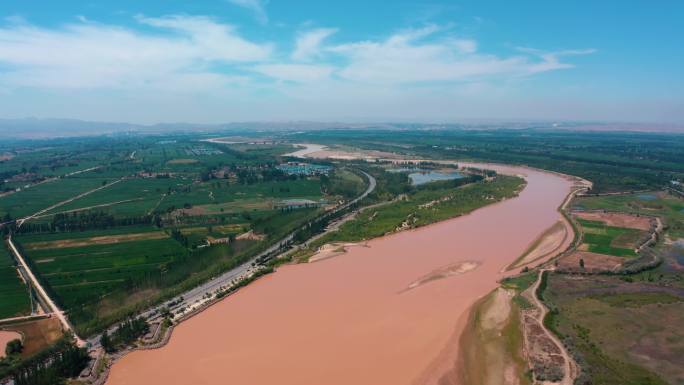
x: 14, y: 294
x: 81, y: 271
x: 35, y: 198
x: 603, y: 239
x: 130, y: 197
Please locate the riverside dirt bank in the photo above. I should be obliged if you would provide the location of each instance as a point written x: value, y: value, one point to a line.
x: 350, y: 319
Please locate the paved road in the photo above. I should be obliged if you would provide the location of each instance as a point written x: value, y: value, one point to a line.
x: 199, y: 293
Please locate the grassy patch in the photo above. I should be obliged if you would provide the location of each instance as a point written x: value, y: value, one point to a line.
x: 520, y: 283
x: 638, y: 299
x: 623, y: 338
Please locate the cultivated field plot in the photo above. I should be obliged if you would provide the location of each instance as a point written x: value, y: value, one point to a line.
x: 41, y: 196
x: 603, y: 239
x: 240, y: 197
x: 188, y: 156
x: 81, y: 268
x: 626, y: 333
x: 14, y: 299
x: 661, y: 204
x: 130, y: 197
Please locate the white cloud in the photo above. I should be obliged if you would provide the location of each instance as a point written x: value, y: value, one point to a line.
x: 410, y: 56
x: 166, y: 62
x: 212, y: 40
x: 96, y: 55
x: 256, y: 6
x: 296, y: 72
x: 308, y: 43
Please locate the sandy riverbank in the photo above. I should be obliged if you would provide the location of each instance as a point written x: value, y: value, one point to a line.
x: 350, y: 319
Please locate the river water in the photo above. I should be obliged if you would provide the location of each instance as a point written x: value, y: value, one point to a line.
x: 390, y: 313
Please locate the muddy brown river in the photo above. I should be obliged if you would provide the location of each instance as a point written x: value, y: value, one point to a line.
x: 390, y: 313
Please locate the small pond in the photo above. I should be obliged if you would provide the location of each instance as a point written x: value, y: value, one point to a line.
x: 647, y: 197
x: 422, y: 177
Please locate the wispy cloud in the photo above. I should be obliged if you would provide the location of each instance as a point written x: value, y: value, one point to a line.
x: 258, y: 7
x: 308, y: 43
x: 96, y: 55
x: 420, y: 55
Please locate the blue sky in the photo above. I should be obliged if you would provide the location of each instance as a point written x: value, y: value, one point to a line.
x: 210, y: 61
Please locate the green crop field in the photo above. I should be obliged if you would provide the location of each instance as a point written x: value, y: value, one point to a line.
x: 216, y: 192
x: 38, y: 197
x: 13, y: 293
x: 85, y: 274
x: 130, y: 197
x: 601, y: 238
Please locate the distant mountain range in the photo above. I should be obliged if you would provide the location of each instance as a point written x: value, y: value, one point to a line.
x: 34, y: 128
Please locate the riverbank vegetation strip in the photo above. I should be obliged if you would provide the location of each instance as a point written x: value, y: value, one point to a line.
x: 435, y: 202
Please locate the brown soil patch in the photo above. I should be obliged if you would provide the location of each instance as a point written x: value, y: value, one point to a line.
x: 251, y: 236
x: 593, y: 262
x: 182, y: 161
x: 103, y: 240
x: 6, y: 337
x: 37, y: 335
x: 616, y: 219
x: 227, y: 207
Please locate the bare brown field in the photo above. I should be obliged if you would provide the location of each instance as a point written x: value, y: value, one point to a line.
x: 6, y: 337
x: 38, y: 334
x: 593, y: 262
x: 103, y: 240
x: 616, y: 219
x: 262, y: 204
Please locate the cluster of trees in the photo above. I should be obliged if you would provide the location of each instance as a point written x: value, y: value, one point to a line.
x: 252, y: 176
x: 127, y: 332
x: 51, y: 366
x: 14, y: 347
x: 338, y: 185
x: 180, y: 237
x: 82, y: 221
x: 452, y: 183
